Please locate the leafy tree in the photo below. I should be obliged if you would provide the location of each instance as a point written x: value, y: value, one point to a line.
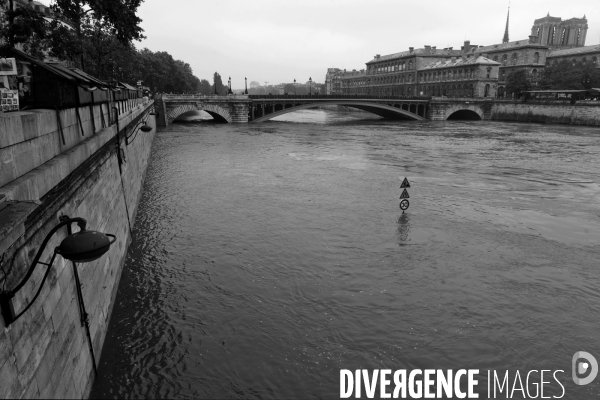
x: 566, y: 75
x: 204, y: 87
x: 289, y: 88
x: 517, y: 82
x: 24, y: 25
x: 116, y: 18
x: 217, y: 82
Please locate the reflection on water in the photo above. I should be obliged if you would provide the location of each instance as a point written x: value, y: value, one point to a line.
x: 267, y: 257
x: 403, y: 228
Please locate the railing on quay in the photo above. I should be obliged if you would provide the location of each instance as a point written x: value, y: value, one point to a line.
x: 337, y: 96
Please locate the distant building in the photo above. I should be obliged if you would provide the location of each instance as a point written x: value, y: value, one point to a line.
x: 329, y: 77
x: 479, y: 71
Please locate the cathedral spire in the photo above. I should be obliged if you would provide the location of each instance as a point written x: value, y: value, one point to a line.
x: 505, y: 39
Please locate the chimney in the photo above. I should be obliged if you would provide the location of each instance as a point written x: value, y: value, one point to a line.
x: 533, y: 38
x: 467, y: 46
x: 410, y: 49
x: 450, y: 48
x: 433, y: 49
x: 427, y: 49
x: 377, y: 56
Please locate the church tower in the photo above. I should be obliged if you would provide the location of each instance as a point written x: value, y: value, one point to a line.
x: 505, y: 38
x: 559, y: 34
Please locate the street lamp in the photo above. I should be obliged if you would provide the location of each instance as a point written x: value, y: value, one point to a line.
x: 83, y: 246
x: 246, y: 85
x: 310, y: 86
x: 294, y: 86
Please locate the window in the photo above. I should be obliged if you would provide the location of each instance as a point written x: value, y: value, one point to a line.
x: 563, y: 36
x: 454, y: 77
x: 514, y: 59
x: 410, y: 64
x: 594, y: 60
x: 584, y: 60
x: 496, y: 58
x: 536, y: 58
x: 534, y: 75
x: 486, y: 92
x: 489, y: 71
x: 552, y: 35
x: 504, y: 60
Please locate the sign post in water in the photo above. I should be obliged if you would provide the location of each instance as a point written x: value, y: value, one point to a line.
x: 404, y: 196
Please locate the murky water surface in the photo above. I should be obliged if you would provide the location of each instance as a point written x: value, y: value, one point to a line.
x: 267, y: 257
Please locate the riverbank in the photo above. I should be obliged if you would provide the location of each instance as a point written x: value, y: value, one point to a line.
x: 88, y: 162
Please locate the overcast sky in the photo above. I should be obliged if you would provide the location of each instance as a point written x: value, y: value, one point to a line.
x: 278, y: 40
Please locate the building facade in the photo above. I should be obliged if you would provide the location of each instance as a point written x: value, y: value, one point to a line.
x: 459, y: 77
x: 431, y: 71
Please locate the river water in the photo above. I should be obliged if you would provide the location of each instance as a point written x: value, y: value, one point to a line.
x: 267, y: 257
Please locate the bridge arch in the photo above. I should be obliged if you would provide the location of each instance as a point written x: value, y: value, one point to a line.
x: 218, y: 113
x: 464, y: 111
x: 382, y: 110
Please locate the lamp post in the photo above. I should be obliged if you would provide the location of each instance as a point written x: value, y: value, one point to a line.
x: 294, y: 87
x: 310, y: 86
x: 83, y: 246
x: 229, y: 84
x: 216, y: 92
x: 246, y: 85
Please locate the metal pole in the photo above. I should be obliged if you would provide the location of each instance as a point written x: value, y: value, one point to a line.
x: 84, y: 315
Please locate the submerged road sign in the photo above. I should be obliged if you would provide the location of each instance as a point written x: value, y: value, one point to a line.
x: 404, y: 195
x: 404, y: 205
x: 405, y: 184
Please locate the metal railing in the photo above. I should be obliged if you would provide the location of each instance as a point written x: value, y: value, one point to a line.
x: 338, y: 96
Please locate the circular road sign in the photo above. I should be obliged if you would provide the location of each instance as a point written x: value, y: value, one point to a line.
x: 404, y: 204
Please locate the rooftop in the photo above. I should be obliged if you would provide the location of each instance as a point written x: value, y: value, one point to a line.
x: 481, y: 60
x: 507, y: 46
x: 575, y: 50
x: 419, y: 52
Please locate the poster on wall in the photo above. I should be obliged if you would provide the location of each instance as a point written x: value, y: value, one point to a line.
x: 9, y: 100
x: 8, y: 66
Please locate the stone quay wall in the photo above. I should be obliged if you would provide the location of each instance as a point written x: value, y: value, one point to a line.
x: 96, y: 174
x: 580, y: 113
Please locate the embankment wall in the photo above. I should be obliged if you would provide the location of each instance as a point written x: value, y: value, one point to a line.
x: 89, y: 169
x: 580, y: 113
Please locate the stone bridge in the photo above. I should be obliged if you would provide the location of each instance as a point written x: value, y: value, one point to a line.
x: 244, y: 109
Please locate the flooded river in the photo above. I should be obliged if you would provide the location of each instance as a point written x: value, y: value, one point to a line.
x: 267, y: 257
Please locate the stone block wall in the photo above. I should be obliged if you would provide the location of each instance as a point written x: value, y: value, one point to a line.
x: 580, y: 113
x: 46, y: 353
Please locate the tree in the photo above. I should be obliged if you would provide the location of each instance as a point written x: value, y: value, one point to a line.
x: 204, y: 87
x: 517, y: 82
x: 217, y: 82
x: 289, y: 88
x: 565, y: 75
x: 114, y: 17
x: 24, y: 25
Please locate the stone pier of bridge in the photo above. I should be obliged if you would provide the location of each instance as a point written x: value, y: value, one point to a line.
x: 231, y: 109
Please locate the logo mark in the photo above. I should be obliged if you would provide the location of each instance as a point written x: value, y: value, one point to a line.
x: 578, y: 367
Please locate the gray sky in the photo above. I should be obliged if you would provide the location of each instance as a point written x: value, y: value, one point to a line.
x: 278, y: 40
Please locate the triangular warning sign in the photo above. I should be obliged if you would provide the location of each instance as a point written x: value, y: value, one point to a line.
x: 405, y: 184
x: 404, y: 195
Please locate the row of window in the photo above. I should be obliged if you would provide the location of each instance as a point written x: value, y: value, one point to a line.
x: 455, y: 75
x: 514, y: 58
x: 584, y: 60
x: 391, y: 67
x: 467, y: 90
